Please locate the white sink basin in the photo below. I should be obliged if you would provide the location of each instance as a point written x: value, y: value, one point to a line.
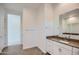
x: 63, y: 41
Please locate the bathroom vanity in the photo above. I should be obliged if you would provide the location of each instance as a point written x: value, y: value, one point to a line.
x: 62, y: 46
x: 67, y: 41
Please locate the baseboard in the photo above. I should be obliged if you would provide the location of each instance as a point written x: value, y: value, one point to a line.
x: 15, y: 44
x: 42, y: 50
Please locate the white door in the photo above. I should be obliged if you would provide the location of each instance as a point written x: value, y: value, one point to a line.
x: 14, y: 29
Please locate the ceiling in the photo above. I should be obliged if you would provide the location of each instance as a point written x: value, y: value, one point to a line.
x: 20, y: 6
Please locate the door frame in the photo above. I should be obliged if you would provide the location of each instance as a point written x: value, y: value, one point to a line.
x: 6, y: 25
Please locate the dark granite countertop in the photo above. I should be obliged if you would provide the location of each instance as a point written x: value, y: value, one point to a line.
x: 71, y: 42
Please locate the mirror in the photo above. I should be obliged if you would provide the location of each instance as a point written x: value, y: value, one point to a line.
x: 69, y: 22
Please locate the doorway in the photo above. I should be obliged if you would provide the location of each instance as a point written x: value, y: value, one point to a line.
x: 14, y: 29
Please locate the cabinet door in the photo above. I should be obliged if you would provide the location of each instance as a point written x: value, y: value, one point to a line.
x: 53, y: 48
x: 75, y: 51
x: 62, y: 49
x: 56, y: 50
x: 49, y: 46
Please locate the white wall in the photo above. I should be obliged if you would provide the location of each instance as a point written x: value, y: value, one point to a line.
x: 44, y: 25
x: 49, y: 14
x: 40, y: 28
x: 2, y: 30
x: 29, y: 28
x: 34, y: 28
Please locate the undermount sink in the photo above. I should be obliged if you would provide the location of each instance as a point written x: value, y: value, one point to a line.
x: 63, y: 41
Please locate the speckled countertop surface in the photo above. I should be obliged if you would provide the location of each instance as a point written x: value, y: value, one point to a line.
x: 71, y: 42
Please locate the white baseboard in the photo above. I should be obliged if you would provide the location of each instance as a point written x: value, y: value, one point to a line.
x: 42, y: 50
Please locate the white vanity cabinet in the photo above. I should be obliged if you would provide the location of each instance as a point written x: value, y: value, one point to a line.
x: 50, y: 46
x: 56, y: 48
x: 62, y: 49
x: 75, y: 51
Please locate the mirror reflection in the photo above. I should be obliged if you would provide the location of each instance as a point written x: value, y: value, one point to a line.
x: 69, y: 22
